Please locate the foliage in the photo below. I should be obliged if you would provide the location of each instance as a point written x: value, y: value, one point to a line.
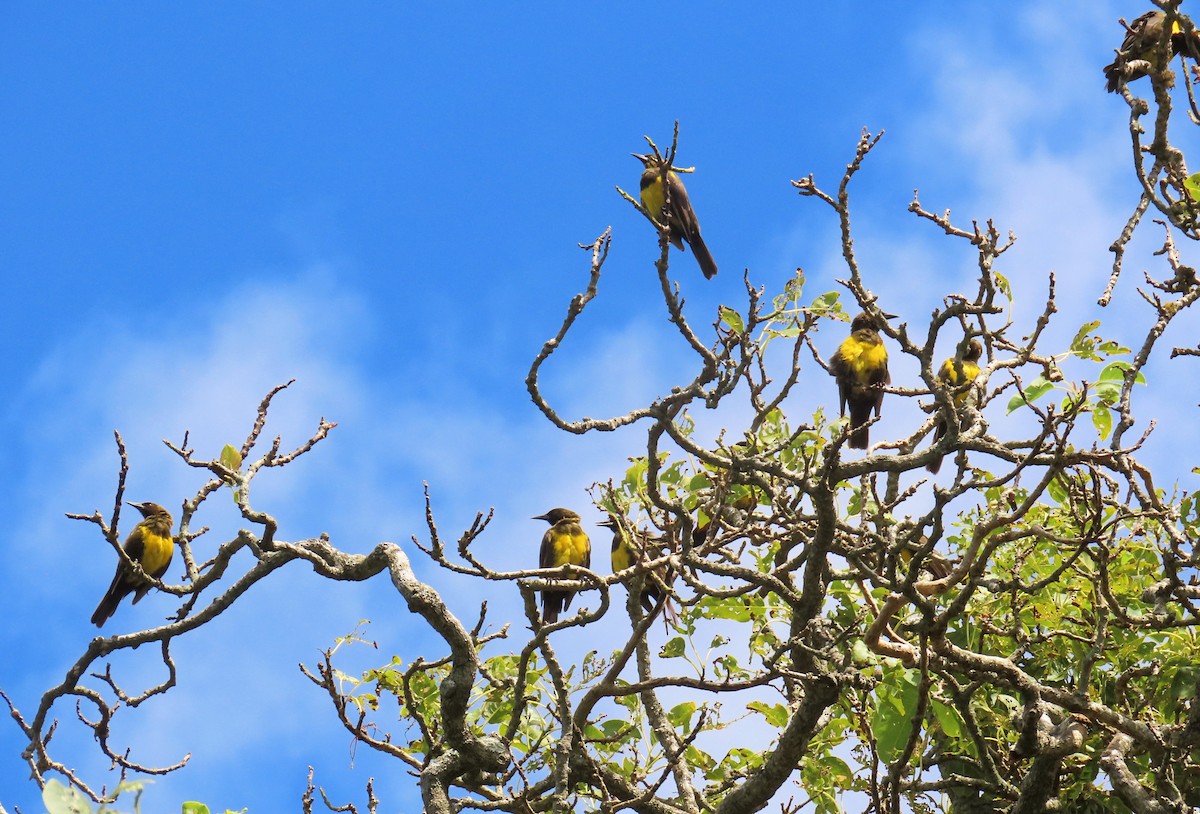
x: 1018, y: 634
x: 62, y: 799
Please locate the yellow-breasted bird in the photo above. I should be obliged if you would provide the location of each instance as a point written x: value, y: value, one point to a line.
x: 948, y: 377
x: 1142, y: 41
x: 564, y: 543
x: 681, y: 218
x: 624, y: 556
x: 860, y: 367
x: 151, y: 545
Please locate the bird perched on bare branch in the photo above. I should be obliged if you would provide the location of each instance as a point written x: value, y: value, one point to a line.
x: 1142, y: 41
x: 564, y: 543
x: 948, y: 377
x: 681, y: 218
x: 655, y: 584
x: 861, y: 369
x: 151, y: 546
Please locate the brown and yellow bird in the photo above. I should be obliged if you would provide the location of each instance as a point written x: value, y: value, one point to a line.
x: 860, y: 367
x: 151, y: 545
x: 624, y: 556
x: 948, y: 377
x: 564, y: 543
x: 681, y: 218
x: 1141, y: 42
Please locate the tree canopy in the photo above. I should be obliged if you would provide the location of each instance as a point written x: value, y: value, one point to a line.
x: 803, y: 626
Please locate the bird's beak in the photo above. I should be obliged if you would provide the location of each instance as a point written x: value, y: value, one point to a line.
x: 886, y: 315
x: 138, y: 506
x: 539, y: 517
x: 640, y: 157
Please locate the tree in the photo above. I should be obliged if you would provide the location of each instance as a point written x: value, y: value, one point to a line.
x: 1018, y: 634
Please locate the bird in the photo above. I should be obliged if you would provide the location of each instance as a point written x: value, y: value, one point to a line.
x: 733, y: 512
x: 948, y: 377
x: 1141, y: 42
x: 564, y: 543
x: 937, y: 565
x: 151, y: 545
x: 860, y: 367
x: 624, y: 556
x: 681, y: 218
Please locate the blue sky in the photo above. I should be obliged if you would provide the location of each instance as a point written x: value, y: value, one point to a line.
x: 384, y: 202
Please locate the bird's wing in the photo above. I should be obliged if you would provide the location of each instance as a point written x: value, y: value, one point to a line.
x: 546, y: 555
x: 681, y: 209
x: 135, y: 543
x: 837, y: 366
x: 587, y: 546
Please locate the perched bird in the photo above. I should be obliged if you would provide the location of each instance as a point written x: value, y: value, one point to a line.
x: 732, y: 513
x: 564, y: 543
x: 681, y: 219
x: 1141, y: 43
x: 937, y: 565
x: 623, y: 556
x: 860, y: 367
x: 948, y: 377
x: 151, y: 545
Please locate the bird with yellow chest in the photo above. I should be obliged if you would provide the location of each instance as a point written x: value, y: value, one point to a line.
x: 860, y: 366
x: 564, y: 543
x: 681, y: 222
x: 151, y: 546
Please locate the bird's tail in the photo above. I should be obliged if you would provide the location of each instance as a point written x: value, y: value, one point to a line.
x: 937, y: 565
x: 554, y: 603
x: 108, y: 605
x: 707, y: 265
x: 938, y: 431
x: 860, y: 435
x: 1112, y: 76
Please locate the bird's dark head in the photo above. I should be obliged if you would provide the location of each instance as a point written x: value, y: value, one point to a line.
x: 645, y: 159
x: 973, y: 352
x: 149, y: 509
x: 557, y: 516
x: 864, y: 322
x: 867, y: 322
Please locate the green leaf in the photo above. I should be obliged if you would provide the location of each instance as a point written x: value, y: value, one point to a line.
x: 734, y: 608
x: 673, y: 649
x: 1038, y: 388
x: 947, y: 718
x: 861, y: 655
x: 231, y: 458
x: 192, y: 807
x: 681, y: 714
x: 1057, y: 490
x: 1102, y: 420
x: 1082, y: 343
x: 733, y: 319
x: 837, y: 769
x: 1003, y: 284
x: 825, y: 303
x: 1107, y: 392
x: 776, y: 714
x: 1191, y: 185
x: 1115, y: 371
x: 892, y: 721
x: 60, y: 799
